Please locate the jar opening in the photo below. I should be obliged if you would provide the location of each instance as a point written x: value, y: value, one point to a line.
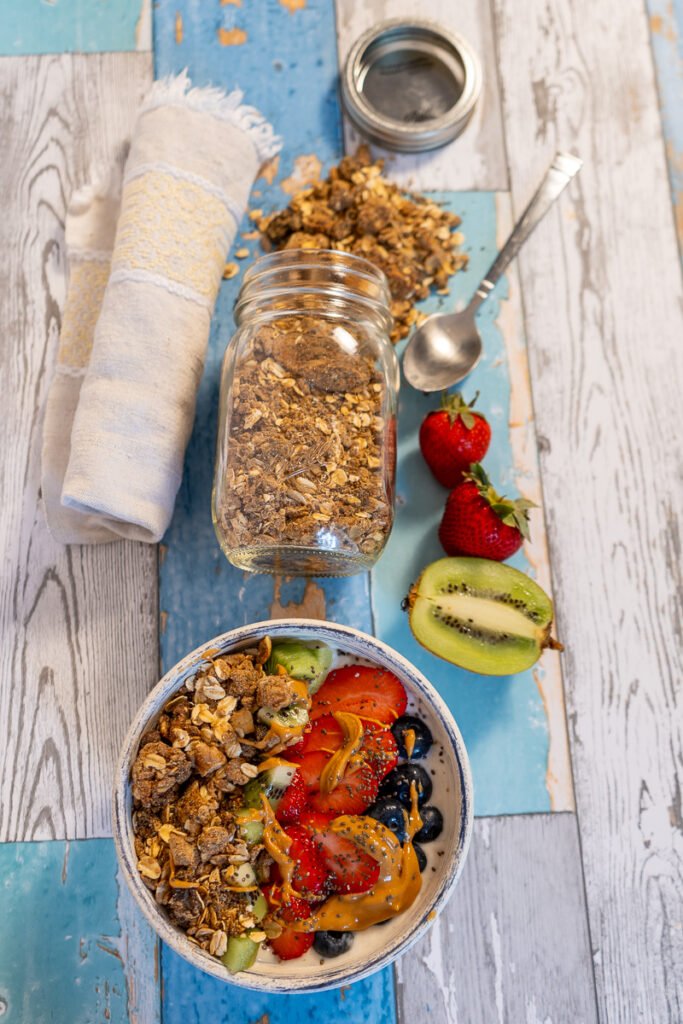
x: 313, y: 278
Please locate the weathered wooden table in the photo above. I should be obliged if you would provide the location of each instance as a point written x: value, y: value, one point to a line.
x: 571, y: 905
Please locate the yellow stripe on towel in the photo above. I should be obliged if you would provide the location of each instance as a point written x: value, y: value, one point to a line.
x: 173, y: 229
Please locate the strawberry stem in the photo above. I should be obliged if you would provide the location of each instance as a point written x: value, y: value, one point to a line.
x: 456, y: 406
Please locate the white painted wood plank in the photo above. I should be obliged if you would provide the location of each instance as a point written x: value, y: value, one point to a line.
x: 78, y: 625
x: 512, y: 945
x: 476, y: 160
x: 603, y: 298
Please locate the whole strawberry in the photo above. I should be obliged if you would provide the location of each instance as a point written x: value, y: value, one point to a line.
x: 477, y: 521
x: 452, y: 438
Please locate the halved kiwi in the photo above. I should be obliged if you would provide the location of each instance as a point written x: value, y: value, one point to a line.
x: 482, y: 615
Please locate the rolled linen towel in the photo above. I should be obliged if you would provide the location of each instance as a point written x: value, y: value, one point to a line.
x: 193, y: 159
x: 89, y: 232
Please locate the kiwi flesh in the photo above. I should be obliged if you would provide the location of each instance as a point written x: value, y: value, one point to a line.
x: 481, y: 615
x: 301, y: 661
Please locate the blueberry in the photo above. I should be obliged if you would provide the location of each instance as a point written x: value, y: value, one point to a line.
x: 422, y: 740
x: 397, y: 784
x: 331, y: 944
x: 432, y: 825
x: 421, y: 857
x: 392, y: 814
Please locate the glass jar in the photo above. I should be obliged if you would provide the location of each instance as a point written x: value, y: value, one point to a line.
x: 306, y: 455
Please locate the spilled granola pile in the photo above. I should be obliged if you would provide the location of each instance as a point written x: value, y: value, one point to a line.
x: 187, y: 784
x: 410, y: 237
x: 309, y: 462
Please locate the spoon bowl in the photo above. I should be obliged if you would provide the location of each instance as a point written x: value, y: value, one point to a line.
x: 444, y: 349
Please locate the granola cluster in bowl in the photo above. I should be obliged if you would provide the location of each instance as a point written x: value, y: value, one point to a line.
x: 204, y: 798
x: 187, y: 783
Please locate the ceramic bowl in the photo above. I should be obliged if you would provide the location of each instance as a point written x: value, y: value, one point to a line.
x: 447, y: 762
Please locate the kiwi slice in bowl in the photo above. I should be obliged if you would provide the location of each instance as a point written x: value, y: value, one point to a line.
x: 481, y: 615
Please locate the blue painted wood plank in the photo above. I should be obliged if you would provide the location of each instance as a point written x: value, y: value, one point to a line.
x: 73, y: 26
x: 502, y: 719
x: 287, y: 67
x: 67, y: 940
x: 666, y: 33
x: 193, y: 999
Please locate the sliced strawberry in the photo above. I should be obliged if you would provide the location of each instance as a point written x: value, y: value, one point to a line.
x: 381, y: 750
x: 295, y: 752
x: 352, y: 795
x: 370, y: 692
x: 311, y: 767
x: 326, y: 735
x: 310, y: 874
x: 315, y: 821
x: 351, y: 868
x: 293, y: 802
x: 290, y: 944
x: 295, y: 909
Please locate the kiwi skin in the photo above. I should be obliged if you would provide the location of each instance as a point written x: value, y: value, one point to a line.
x: 481, y: 615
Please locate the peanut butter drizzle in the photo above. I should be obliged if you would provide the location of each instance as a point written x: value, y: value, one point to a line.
x: 275, y: 762
x: 249, y: 814
x: 409, y: 740
x: 285, y: 733
x: 399, y: 876
x: 277, y: 843
x: 332, y: 773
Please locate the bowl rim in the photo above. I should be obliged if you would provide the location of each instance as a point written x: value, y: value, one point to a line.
x: 337, y: 636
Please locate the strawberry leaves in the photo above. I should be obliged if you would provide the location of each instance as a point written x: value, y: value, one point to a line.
x: 456, y: 406
x: 512, y: 511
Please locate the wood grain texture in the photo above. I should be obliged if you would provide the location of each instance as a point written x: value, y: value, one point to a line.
x: 475, y: 160
x: 78, y: 625
x: 512, y: 945
x: 602, y: 290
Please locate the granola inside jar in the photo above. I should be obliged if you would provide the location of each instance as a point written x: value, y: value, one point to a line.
x: 305, y: 464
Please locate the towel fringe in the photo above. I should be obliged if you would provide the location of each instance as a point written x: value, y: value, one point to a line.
x: 177, y: 90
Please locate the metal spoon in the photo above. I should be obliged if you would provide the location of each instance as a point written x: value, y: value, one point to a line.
x: 447, y: 346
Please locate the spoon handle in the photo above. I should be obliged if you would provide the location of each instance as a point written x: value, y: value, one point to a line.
x: 556, y: 178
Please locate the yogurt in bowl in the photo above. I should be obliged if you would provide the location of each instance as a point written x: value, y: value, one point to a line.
x: 340, y: 805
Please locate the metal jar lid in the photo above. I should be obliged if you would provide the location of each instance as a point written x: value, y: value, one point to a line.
x: 411, y: 85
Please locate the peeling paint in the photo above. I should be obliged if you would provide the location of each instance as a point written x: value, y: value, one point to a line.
x: 667, y: 47
x: 143, y: 28
x: 65, y: 862
x: 231, y: 36
x: 138, y: 949
x: 107, y: 948
x: 498, y: 968
x: 307, y: 168
x: 548, y: 674
x: 293, y: 5
x: 312, y: 605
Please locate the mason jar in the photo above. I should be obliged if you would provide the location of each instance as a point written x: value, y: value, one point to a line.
x: 306, y: 454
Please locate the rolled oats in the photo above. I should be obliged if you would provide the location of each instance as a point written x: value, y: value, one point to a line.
x: 299, y: 472
x: 186, y: 789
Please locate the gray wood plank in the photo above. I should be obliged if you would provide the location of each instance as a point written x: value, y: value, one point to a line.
x: 78, y: 626
x: 512, y: 946
x: 476, y: 160
x: 603, y: 299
